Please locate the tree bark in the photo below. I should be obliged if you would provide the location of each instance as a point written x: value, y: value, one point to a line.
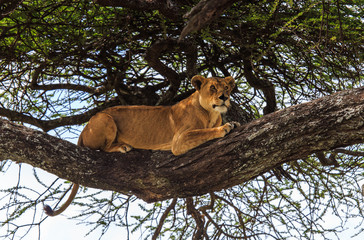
x: 169, y: 8
x: 204, y: 13
x: 289, y: 134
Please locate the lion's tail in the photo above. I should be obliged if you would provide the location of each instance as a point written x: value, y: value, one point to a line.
x: 50, y: 212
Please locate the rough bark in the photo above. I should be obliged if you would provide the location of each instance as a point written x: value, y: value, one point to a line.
x: 290, y: 134
x: 198, y: 17
x: 169, y: 8
x: 204, y: 13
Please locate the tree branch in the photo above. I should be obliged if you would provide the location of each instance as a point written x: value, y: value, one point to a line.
x: 77, y: 87
x: 168, y: 8
x: 7, y: 7
x: 204, y: 13
x: 153, y: 56
x: 257, y: 147
x: 47, y: 125
x: 163, y: 218
x: 262, y: 84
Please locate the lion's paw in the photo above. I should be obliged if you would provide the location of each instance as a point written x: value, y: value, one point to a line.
x: 230, y: 125
x: 125, y: 148
x: 235, y: 124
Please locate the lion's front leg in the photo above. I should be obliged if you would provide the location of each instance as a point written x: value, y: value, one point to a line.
x: 190, y: 139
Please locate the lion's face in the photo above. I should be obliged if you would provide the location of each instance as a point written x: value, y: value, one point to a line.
x: 214, y: 92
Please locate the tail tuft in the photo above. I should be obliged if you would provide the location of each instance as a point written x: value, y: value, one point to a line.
x: 48, y: 210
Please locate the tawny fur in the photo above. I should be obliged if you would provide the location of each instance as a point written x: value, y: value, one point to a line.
x: 178, y: 128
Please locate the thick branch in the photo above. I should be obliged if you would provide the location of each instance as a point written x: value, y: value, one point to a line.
x: 168, y: 8
x: 153, y: 57
x: 204, y: 13
x: 286, y: 135
x: 264, y: 85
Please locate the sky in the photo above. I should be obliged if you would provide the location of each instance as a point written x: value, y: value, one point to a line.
x: 59, y: 227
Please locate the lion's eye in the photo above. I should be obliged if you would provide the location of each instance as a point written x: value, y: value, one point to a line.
x: 226, y: 88
x: 213, y: 88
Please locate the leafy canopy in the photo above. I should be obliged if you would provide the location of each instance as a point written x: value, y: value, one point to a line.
x: 62, y: 61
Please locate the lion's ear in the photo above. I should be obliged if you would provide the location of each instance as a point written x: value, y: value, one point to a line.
x: 231, y: 81
x: 197, y: 81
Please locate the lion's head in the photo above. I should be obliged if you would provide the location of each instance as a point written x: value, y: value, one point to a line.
x: 214, y: 92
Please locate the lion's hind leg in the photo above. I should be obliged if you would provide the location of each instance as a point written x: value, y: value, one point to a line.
x: 100, y: 134
x: 118, y: 147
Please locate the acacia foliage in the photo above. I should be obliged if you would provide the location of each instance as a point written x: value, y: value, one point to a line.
x: 62, y: 61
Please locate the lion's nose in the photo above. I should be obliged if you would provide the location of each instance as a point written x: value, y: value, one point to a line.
x: 223, y: 97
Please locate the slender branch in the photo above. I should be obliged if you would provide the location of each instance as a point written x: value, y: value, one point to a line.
x: 35, y: 86
x: 47, y: 125
x: 163, y: 218
x: 7, y: 7
x: 68, y: 86
x: 198, y: 219
x: 349, y: 152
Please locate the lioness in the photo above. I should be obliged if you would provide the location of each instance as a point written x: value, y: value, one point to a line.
x: 178, y: 128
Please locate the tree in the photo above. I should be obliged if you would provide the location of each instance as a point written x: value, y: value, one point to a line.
x: 63, y: 61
